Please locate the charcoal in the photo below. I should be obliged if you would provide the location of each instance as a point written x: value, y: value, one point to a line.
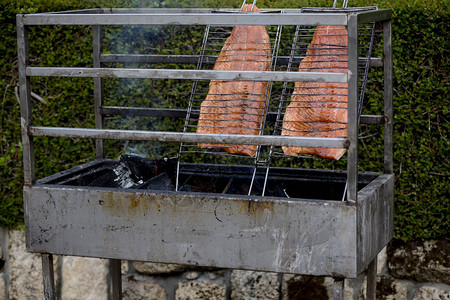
x: 161, y: 182
x: 140, y: 168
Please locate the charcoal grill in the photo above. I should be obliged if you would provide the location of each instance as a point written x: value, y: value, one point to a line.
x: 243, y: 212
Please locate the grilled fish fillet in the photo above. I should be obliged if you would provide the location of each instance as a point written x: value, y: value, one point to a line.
x: 238, y: 107
x: 319, y: 109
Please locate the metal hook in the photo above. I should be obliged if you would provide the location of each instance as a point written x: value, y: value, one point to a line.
x: 344, y: 4
x: 253, y: 5
x: 242, y: 6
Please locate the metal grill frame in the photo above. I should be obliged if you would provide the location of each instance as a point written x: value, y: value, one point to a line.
x: 294, y: 235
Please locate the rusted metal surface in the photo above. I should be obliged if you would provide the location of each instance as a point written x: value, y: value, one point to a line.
x: 375, y: 219
x: 245, y: 232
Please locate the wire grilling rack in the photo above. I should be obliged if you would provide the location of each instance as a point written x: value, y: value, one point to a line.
x: 312, y: 53
x: 220, y: 109
x: 327, y: 57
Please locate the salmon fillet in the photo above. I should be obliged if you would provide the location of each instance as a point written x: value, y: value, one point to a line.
x: 238, y: 107
x: 319, y: 109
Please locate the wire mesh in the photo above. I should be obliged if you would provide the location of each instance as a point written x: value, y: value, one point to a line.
x: 215, y: 107
x: 236, y: 107
x: 319, y: 109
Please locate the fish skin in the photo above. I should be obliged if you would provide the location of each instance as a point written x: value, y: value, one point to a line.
x: 238, y: 107
x: 319, y: 109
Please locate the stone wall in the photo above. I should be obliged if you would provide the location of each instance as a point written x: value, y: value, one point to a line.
x: 416, y: 270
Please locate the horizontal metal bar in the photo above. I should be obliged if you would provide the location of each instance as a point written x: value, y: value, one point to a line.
x: 191, y: 10
x: 193, y: 59
x: 374, y: 16
x: 371, y: 119
x: 142, y: 58
x: 338, y: 9
x: 145, y: 112
x: 376, y: 62
x: 80, y: 11
x: 155, y: 10
x: 181, y: 113
x: 185, y: 19
x: 188, y: 137
x: 215, y: 10
x: 158, y: 112
x: 188, y: 74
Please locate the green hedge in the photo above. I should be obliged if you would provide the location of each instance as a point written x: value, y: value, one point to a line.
x: 421, y: 105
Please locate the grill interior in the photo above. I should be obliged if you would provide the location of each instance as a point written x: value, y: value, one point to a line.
x: 134, y: 172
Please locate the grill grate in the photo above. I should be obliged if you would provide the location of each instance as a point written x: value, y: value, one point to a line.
x: 302, y: 41
x: 214, y: 41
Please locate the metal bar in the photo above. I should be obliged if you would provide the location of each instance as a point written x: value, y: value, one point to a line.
x: 374, y: 16
x: 338, y: 10
x: 372, y: 280
x: 190, y: 10
x: 338, y: 289
x: 193, y: 59
x: 116, y: 278
x: 142, y: 58
x: 25, y: 101
x: 186, y: 19
x: 365, y: 71
x: 189, y: 137
x: 352, y: 162
x: 121, y: 11
x: 80, y: 11
x: 371, y: 119
x: 188, y: 74
x: 156, y: 10
x: 181, y: 113
x: 145, y: 112
x: 388, y: 102
x: 48, y: 276
x: 98, y: 89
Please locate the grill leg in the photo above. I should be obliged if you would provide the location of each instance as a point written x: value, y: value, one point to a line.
x: 338, y: 289
x: 372, y: 280
x: 48, y: 276
x: 116, y: 278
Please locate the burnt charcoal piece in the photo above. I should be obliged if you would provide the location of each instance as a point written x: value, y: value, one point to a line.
x: 161, y: 182
x: 107, y: 178
x: 141, y: 168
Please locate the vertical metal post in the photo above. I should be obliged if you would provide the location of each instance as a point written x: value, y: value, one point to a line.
x: 388, y: 103
x: 98, y: 89
x: 338, y: 289
x: 116, y: 278
x: 48, y: 276
x: 352, y: 110
x: 372, y: 280
x: 25, y: 101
